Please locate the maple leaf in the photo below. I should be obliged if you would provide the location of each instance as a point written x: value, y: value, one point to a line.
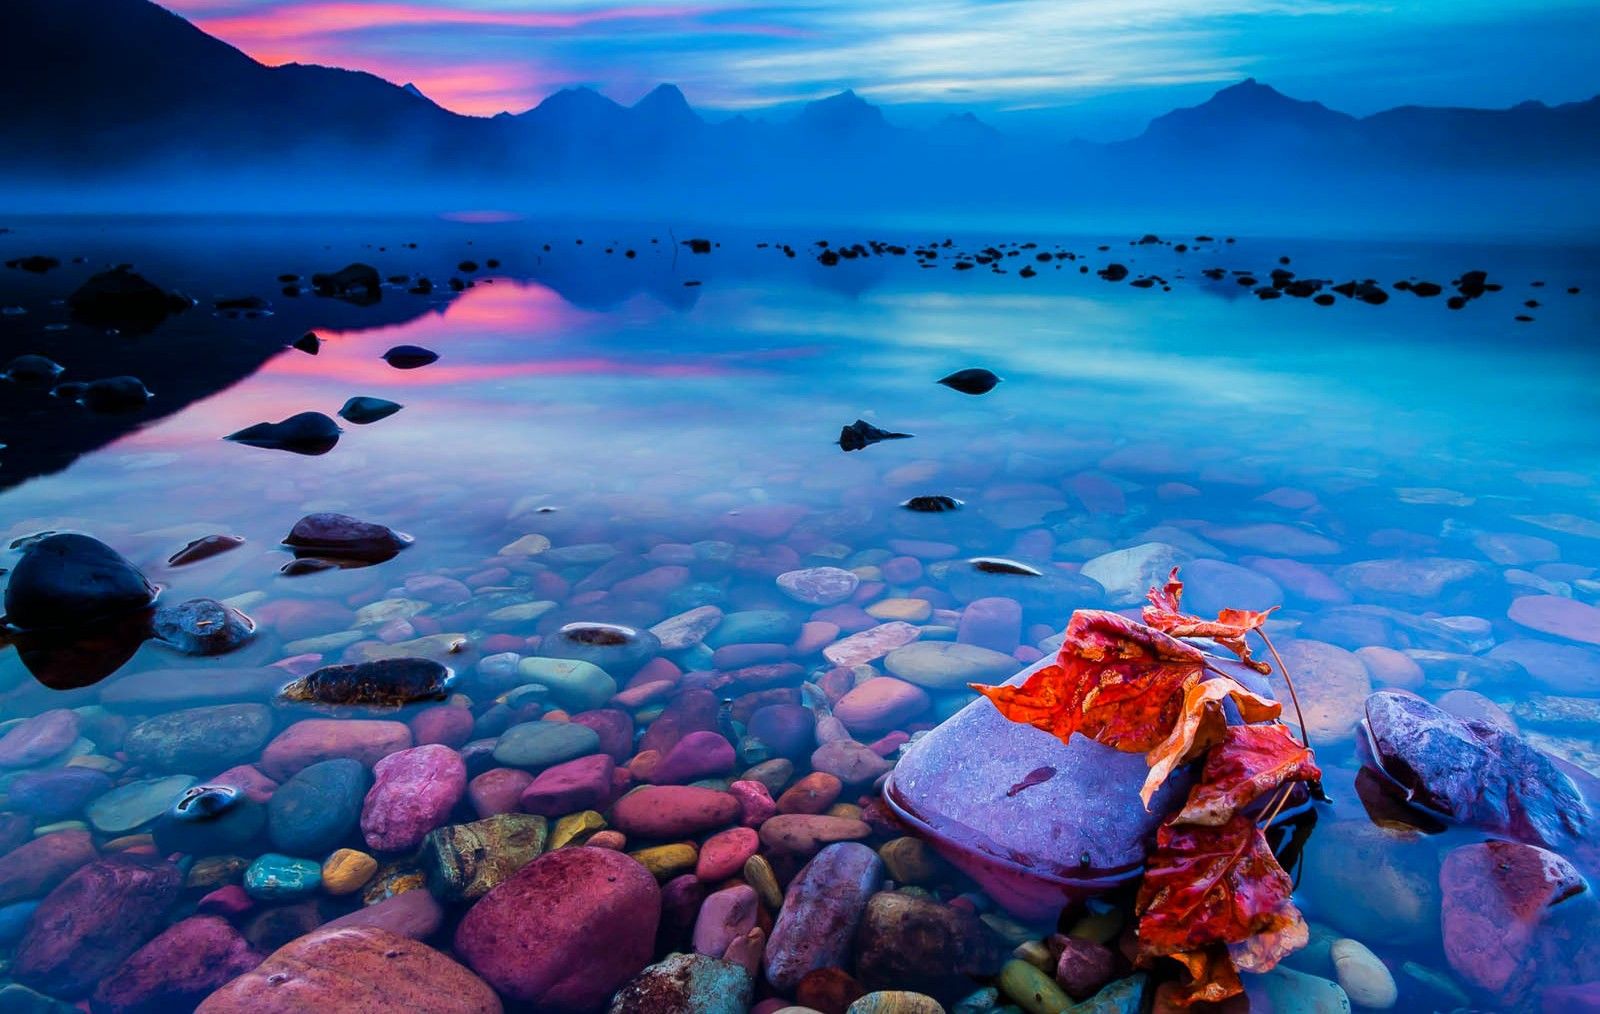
x: 1212, y: 978
x: 1285, y: 934
x: 1209, y: 884
x: 1248, y: 762
x: 1229, y: 628
x: 1202, y: 724
x: 1115, y: 680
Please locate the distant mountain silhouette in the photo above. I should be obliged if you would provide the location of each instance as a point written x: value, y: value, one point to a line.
x: 123, y: 91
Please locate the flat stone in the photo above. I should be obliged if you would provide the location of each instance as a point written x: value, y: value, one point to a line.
x: 538, y: 745
x: 1127, y: 574
x: 1559, y: 617
x: 200, y: 739
x: 948, y: 665
x: 130, y: 807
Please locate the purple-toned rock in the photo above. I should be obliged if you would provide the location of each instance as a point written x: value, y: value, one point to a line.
x: 851, y: 762
x: 697, y: 755
x: 805, y: 833
x: 1557, y: 616
x: 413, y: 793
x: 93, y: 921
x: 820, y: 913
x: 1473, y: 772
x: 1038, y: 822
x: 724, y: 917
x: 39, y: 738
x: 564, y: 932
x: 413, y: 914
x: 871, y: 644
x: 788, y: 730
x: 178, y: 969
x: 1210, y: 586
x: 1561, y: 668
x: 673, y: 811
x: 582, y: 784
x: 355, y: 969
x: 318, y: 739
x: 993, y: 623
x: 345, y: 537
x: 755, y: 802
x: 55, y: 793
x: 36, y: 866
x: 498, y: 790
x: 614, y: 727
x: 1496, y: 895
x: 881, y: 703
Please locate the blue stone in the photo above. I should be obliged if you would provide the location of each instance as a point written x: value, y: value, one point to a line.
x: 276, y: 877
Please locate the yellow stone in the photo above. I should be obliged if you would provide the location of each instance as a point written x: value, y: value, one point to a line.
x: 867, y: 573
x: 128, y: 841
x: 849, y: 810
x: 1035, y: 953
x: 60, y: 825
x: 438, y: 647
x: 376, y: 614
x: 528, y: 545
x: 908, y: 610
x: 347, y: 871
x: 575, y: 829
x: 909, y: 860
x: 96, y: 762
x: 215, y: 871
x: 668, y: 861
x: 1101, y: 927
x: 759, y: 875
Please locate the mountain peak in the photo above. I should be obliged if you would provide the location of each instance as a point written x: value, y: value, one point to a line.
x: 843, y: 113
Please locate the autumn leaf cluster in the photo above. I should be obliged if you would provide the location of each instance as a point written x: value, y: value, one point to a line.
x: 1214, y: 897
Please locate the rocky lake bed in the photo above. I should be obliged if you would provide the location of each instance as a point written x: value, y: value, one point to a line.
x: 473, y: 617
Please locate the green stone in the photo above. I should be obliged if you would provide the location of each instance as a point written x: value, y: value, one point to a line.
x: 277, y: 877
x: 129, y: 807
x: 537, y: 745
x: 463, y: 861
x: 574, y: 684
x: 755, y: 626
x: 1031, y: 989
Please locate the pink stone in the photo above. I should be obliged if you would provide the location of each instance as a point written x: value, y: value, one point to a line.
x: 872, y: 644
x: 227, y: 901
x: 1496, y: 895
x: 806, y: 833
x: 724, y: 917
x: 652, y: 584
x: 738, y: 656
x: 1391, y: 668
x: 670, y: 812
x: 576, y: 785
x: 413, y: 792
x: 247, y: 779
x: 814, y: 636
x: 615, y: 728
x: 39, y: 738
x: 993, y: 623
x: 697, y: 755
x: 1548, y: 614
x: 812, y: 794
x: 755, y: 802
x: 723, y: 855
x: 640, y: 694
x: 318, y: 739
x: 883, y: 702
x: 763, y: 522
x: 445, y: 724
x: 657, y: 670
x: 850, y: 762
x: 849, y: 619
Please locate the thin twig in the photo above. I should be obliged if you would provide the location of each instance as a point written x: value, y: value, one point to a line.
x: 1286, y: 790
x: 1305, y: 740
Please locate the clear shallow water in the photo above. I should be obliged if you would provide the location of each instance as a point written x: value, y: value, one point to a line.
x: 650, y: 413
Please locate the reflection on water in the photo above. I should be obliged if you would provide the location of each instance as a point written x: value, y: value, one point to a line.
x: 598, y: 401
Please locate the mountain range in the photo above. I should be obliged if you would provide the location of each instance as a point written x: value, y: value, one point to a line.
x: 113, y: 97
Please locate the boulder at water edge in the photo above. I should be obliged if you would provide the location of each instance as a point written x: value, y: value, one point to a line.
x: 68, y: 578
x: 566, y: 931
x: 355, y: 968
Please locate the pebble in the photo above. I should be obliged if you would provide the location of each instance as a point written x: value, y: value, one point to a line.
x: 666, y: 862
x: 200, y: 739
x: 1031, y: 989
x: 276, y: 877
x: 824, y: 903
x: 895, y: 1002
x: 881, y: 703
x: 819, y: 586
x: 539, y: 745
x: 758, y: 874
x: 1363, y: 976
x: 666, y: 812
x: 464, y: 862
x: 347, y: 871
x: 576, y: 829
x: 413, y: 792
x: 318, y: 739
x: 132, y: 806
x: 871, y: 644
x: 948, y: 665
x: 725, y: 853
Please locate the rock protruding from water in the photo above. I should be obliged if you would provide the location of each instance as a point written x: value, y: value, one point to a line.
x: 67, y: 579
x: 202, y: 627
x: 342, y: 537
x: 309, y: 433
x: 973, y: 381
x: 1474, y: 772
x: 386, y: 683
x: 362, y: 410
x: 123, y: 299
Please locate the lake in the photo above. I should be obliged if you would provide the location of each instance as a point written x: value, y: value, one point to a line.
x: 619, y: 430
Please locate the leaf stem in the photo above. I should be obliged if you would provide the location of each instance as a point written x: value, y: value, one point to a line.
x: 1305, y: 740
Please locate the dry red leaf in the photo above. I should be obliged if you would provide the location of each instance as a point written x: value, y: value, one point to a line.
x: 1285, y: 934
x: 1115, y: 680
x: 1229, y: 629
x: 1247, y: 762
x: 1209, y: 884
x: 1212, y: 978
x: 1201, y: 725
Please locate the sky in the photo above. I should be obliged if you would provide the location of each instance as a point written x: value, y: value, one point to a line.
x: 1091, y: 68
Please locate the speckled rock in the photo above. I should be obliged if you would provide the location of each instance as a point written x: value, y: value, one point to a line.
x: 413, y: 793
x: 566, y: 931
x: 819, y: 586
x: 1339, y: 685
x: 37, y: 865
x: 176, y: 970
x: 906, y: 942
x: 355, y: 969
x: 200, y: 739
x: 202, y: 627
x: 276, y: 877
x: 820, y: 913
x: 686, y: 984
x: 464, y: 862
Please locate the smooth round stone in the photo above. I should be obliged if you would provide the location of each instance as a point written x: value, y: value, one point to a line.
x: 701, y: 983
x: 318, y: 739
x: 347, y: 871
x: 1563, y: 668
x: 342, y: 536
x: 805, y: 833
x: 1031, y: 989
x: 39, y: 738
x: 1210, y: 586
x: 65, y: 579
x: 906, y: 610
x: 814, y: 793
x: 1363, y: 975
x: 896, y: 1001
x: 413, y: 792
x: 948, y: 665
x: 275, y: 877
x: 57, y: 793
x: 388, y: 683
x: 667, y: 862
x: 851, y: 762
x: 200, y: 739
x: 575, y: 684
x: 883, y: 702
x: 14, y: 920
x: 817, y: 923
x: 318, y: 808
x: 538, y: 745
x: 1127, y: 574
x: 994, y: 623
x: 202, y: 627
x: 355, y: 968
x: 754, y: 626
x: 566, y: 931
x: 132, y: 806
x: 665, y: 812
x: 1292, y: 992
x: 528, y: 545
x: 697, y: 755
x: 871, y: 644
x: 610, y: 647
x: 1334, y: 686
x: 1558, y: 617
x: 34, y: 867
x: 819, y: 586
x: 724, y: 854
x: 178, y: 969
x: 498, y: 790
x: 1391, y: 668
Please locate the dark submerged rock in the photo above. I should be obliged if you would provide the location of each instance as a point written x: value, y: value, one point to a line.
x: 202, y: 627
x: 357, y: 283
x: 861, y: 434
x: 318, y: 808
x: 65, y: 579
x: 309, y: 343
x: 933, y: 504
x: 973, y: 381
x: 122, y: 299
x: 204, y: 549
x: 303, y: 433
x: 1473, y: 772
x: 409, y: 357
x: 33, y: 369
x: 362, y: 410
x: 112, y: 395
x: 387, y: 683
